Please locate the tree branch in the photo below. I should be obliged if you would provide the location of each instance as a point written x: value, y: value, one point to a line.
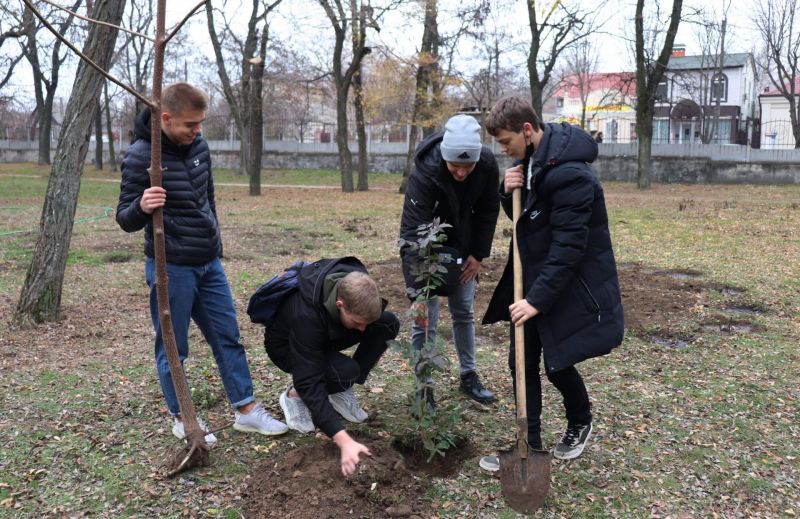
x: 98, y: 22
x: 88, y: 61
x: 180, y: 24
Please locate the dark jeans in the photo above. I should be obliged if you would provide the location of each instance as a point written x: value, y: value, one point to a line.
x: 567, y: 381
x: 342, y: 371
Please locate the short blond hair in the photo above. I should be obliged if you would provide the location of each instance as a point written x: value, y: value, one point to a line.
x: 360, y: 296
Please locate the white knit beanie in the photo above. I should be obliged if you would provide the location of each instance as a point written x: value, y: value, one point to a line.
x: 462, y: 139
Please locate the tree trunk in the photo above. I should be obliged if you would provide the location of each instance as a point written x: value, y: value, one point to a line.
x: 40, y: 298
x: 46, y: 128
x: 112, y: 156
x: 98, y: 136
x: 644, y: 170
x: 345, y: 157
x: 361, y: 132
x: 255, y: 129
x: 427, y: 66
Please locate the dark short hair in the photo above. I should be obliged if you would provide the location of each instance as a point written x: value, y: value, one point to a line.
x: 510, y: 113
x: 179, y: 97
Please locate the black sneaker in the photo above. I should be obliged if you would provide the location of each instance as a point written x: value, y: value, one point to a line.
x: 572, y: 443
x: 472, y: 386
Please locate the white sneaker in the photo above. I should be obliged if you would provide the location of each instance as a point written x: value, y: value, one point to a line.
x: 346, y: 405
x: 297, y: 415
x: 259, y: 421
x: 180, y: 433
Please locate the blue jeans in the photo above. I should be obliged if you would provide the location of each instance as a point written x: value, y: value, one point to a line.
x: 201, y: 293
x: 461, y: 302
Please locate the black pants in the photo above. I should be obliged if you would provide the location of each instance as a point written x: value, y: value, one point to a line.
x: 568, y: 382
x: 341, y: 371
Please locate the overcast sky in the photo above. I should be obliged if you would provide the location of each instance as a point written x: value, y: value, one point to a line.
x: 302, y: 24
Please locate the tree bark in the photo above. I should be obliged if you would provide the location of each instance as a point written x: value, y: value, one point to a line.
x: 427, y: 66
x: 40, y: 298
x: 98, y: 136
x: 112, y: 155
x: 361, y: 132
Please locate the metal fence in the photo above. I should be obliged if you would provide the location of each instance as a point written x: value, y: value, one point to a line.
x: 715, y: 152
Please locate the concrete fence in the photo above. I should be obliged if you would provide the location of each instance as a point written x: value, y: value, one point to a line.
x: 691, y: 163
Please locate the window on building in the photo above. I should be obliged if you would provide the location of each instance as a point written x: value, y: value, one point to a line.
x: 719, y: 87
x: 559, y: 102
x: 662, y: 90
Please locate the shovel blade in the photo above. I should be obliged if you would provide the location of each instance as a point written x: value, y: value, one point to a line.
x: 525, y: 482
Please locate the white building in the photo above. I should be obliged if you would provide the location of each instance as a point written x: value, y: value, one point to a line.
x: 776, y: 125
x: 694, y: 87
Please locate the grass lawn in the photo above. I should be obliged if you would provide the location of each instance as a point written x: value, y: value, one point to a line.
x: 702, y: 427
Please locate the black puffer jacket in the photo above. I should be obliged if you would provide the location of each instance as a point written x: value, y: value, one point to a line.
x: 569, y: 270
x: 312, y: 335
x: 471, y: 207
x: 190, y: 219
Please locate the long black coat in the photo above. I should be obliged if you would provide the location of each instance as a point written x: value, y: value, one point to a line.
x: 471, y: 207
x: 190, y: 218
x: 569, y: 270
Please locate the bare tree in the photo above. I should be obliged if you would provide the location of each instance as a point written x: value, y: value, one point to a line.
x: 11, y: 29
x: 343, y: 20
x: 649, y: 73
x: 246, y: 97
x: 556, y: 25
x: 778, y: 22
x: 45, y: 86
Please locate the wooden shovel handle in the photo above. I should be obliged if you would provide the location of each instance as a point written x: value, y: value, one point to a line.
x: 519, y: 335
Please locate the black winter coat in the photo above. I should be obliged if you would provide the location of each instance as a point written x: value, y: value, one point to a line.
x: 312, y: 334
x: 190, y: 219
x: 471, y: 207
x: 569, y: 270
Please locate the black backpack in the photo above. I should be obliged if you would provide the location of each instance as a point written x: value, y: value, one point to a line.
x: 264, y: 303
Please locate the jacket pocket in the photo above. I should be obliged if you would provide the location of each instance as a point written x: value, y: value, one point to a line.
x: 587, y: 292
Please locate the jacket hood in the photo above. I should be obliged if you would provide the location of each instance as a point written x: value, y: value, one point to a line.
x: 564, y: 143
x: 428, y: 156
x: 142, y: 130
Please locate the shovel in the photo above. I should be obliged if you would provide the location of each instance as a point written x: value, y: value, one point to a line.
x: 524, y: 472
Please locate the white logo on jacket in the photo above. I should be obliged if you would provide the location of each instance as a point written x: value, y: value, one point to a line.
x: 534, y: 214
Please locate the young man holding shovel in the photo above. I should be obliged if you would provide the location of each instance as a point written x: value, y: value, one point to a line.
x: 336, y: 305
x: 198, y: 287
x: 572, y: 308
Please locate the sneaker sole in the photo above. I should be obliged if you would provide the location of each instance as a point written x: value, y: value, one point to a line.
x: 282, y: 402
x: 176, y: 434
x: 250, y: 429
x: 484, y: 401
x: 575, y: 453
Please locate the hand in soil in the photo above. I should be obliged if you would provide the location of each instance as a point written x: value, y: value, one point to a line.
x: 350, y: 450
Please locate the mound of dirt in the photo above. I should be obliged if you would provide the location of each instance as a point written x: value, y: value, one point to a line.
x: 307, y: 483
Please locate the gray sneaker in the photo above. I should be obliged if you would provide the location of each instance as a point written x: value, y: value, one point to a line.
x: 180, y: 433
x: 346, y: 405
x: 573, y: 442
x: 259, y: 421
x: 490, y: 463
x: 297, y: 415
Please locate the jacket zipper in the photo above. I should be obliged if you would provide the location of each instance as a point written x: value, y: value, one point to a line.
x: 589, y: 292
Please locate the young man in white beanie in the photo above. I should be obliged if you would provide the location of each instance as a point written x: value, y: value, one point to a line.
x: 455, y: 178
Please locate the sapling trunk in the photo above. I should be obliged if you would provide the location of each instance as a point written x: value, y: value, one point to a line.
x: 196, y: 452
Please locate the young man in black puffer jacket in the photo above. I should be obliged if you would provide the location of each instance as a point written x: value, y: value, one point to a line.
x: 336, y: 306
x: 454, y: 179
x: 198, y: 287
x: 572, y: 307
